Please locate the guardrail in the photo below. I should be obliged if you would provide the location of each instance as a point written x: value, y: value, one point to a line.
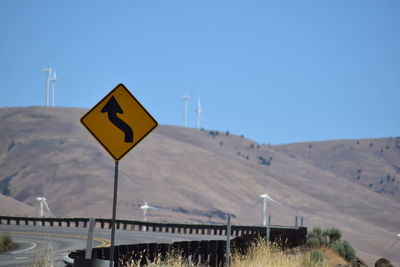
x: 209, y: 252
x: 204, y: 229
x: 205, y: 252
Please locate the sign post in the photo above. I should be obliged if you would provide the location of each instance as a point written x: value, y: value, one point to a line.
x: 114, y: 214
x: 118, y: 122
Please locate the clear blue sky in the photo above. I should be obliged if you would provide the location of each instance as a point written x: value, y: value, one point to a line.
x: 275, y: 71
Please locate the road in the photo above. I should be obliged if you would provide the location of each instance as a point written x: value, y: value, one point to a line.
x: 32, y: 240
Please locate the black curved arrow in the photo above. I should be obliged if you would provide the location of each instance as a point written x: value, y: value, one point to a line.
x: 112, y: 108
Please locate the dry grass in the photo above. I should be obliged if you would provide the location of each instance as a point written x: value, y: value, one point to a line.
x: 262, y: 255
x: 173, y: 259
x: 259, y: 255
x: 332, y: 258
x: 45, y: 255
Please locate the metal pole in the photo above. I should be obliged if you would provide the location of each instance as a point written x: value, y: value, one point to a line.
x: 295, y: 221
x: 114, y: 215
x: 228, y: 241
x: 89, y: 244
x: 268, y: 229
x: 186, y: 111
x: 302, y: 221
x: 264, y: 211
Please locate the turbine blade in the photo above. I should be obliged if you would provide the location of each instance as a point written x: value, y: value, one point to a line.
x: 271, y: 199
x: 47, y: 206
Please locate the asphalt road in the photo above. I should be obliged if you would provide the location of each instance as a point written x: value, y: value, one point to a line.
x: 31, y: 241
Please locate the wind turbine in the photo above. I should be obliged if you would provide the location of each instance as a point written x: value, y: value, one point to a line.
x: 47, y: 87
x: 265, y: 196
x: 198, y: 110
x: 42, y: 204
x: 53, y: 80
x: 144, y: 209
x: 185, y: 100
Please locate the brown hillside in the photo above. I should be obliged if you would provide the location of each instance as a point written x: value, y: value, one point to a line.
x: 12, y: 207
x: 196, y: 176
x: 373, y: 163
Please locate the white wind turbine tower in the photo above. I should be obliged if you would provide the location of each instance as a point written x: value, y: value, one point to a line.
x: 47, y: 86
x: 144, y: 209
x: 265, y: 196
x: 185, y: 100
x: 198, y: 110
x: 53, y: 80
x: 42, y: 204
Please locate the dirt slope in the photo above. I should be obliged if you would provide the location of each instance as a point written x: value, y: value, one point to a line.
x: 12, y: 207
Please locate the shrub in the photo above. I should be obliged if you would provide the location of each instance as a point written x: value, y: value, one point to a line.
x: 5, y: 242
x: 334, y: 235
x: 345, y: 250
x: 350, y: 252
x: 317, y: 231
x: 319, y: 235
x: 338, y: 247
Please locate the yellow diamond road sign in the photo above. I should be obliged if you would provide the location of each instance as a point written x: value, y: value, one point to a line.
x: 119, y: 122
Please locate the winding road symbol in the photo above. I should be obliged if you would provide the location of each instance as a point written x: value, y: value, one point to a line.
x: 112, y: 108
x: 119, y: 122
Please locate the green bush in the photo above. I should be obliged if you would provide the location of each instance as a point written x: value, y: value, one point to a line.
x: 350, y: 252
x: 5, y: 242
x: 334, y: 235
x: 330, y: 238
x: 345, y: 250
x: 318, y: 234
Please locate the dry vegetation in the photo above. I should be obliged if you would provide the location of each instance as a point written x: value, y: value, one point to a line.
x: 260, y: 255
x: 45, y: 255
